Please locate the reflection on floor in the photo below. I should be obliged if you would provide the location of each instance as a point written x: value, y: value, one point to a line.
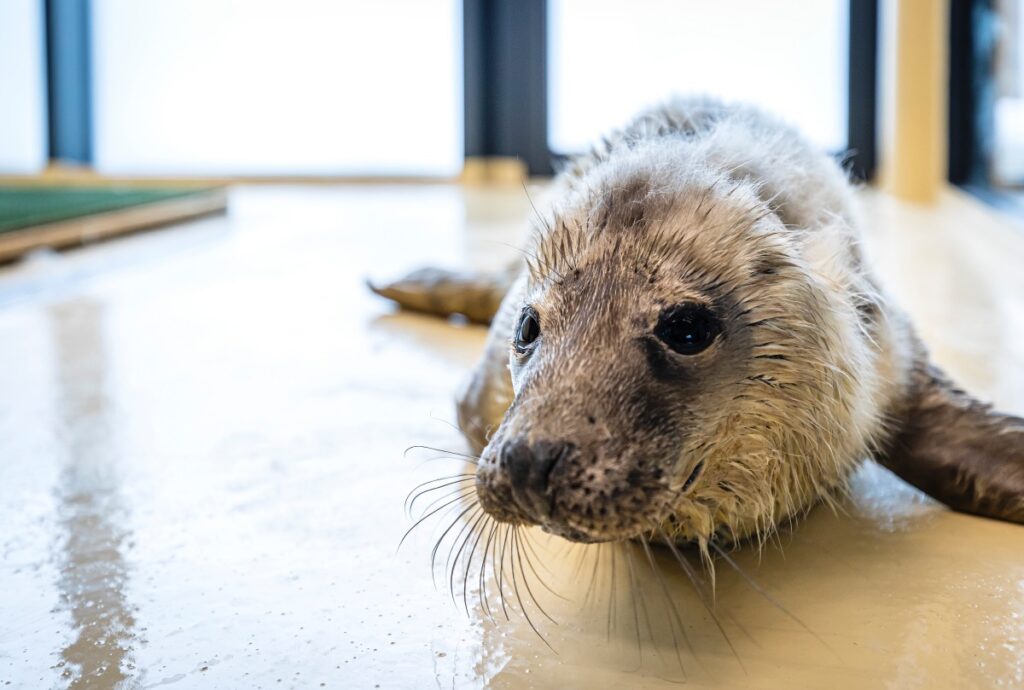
x: 202, y: 435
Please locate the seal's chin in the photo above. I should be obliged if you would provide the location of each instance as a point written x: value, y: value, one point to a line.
x: 584, y: 536
x: 560, y: 522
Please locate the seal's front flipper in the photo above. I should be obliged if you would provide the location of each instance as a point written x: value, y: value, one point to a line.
x: 443, y: 293
x: 957, y: 450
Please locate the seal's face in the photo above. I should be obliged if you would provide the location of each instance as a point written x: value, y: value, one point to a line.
x: 667, y: 351
x: 590, y: 450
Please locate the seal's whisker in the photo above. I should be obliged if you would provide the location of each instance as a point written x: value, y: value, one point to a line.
x: 410, y: 504
x: 545, y: 222
x: 473, y: 521
x: 522, y: 606
x: 643, y: 600
x: 450, y: 453
x: 446, y: 422
x: 673, y: 611
x: 469, y: 564
x: 467, y: 524
x: 698, y: 587
x: 613, y: 600
x: 463, y: 492
x: 516, y: 539
x: 578, y: 569
x: 632, y: 593
x: 423, y: 518
x: 485, y: 604
x: 593, y: 573
x: 450, y: 458
x: 437, y: 545
x: 501, y: 570
x: 527, y: 552
x: 768, y: 597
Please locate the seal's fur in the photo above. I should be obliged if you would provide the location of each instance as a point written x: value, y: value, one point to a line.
x: 814, y: 371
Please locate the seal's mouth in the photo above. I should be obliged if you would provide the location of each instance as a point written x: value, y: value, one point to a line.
x: 584, y: 493
x: 574, y: 511
x: 694, y: 475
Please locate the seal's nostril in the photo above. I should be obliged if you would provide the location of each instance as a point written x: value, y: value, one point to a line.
x: 529, y: 468
x: 518, y: 456
x: 546, y: 456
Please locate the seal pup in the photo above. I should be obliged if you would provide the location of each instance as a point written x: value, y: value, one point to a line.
x: 695, y: 345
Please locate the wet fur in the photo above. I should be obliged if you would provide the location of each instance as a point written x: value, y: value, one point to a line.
x: 816, y: 370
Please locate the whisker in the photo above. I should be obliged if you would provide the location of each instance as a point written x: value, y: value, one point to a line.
x: 695, y: 578
x: 463, y: 492
x: 437, y: 545
x: 451, y: 453
x: 420, y: 521
x: 642, y: 600
x: 475, y: 518
x: 469, y: 564
x: 593, y: 574
x: 409, y: 505
x: 501, y: 571
x: 760, y: 590
x: 632, y: 593
x: 522, y: 606
x: 445, y: 421
x: 518, y: 552
x: 483, y: 569
x: 528, y: 551
x: 614, y: 601
x: 673, y: 611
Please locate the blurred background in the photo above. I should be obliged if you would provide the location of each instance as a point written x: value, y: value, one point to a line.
x: 403, y: 89
x: 205, y: 430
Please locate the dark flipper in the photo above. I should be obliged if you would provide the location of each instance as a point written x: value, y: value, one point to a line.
x: 443, y: 293
x: 957, y: 450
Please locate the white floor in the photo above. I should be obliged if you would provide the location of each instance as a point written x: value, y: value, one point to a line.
x: 201, y: 453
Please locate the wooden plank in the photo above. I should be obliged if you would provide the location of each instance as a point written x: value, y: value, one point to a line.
x: 98, y: 226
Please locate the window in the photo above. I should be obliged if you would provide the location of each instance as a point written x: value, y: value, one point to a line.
x: 609, y: 59
x: 310, y: 87
x: 1008, y: 149
x: 23, y: 147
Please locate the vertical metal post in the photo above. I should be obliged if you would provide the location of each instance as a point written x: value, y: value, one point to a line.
x: 69, y: 79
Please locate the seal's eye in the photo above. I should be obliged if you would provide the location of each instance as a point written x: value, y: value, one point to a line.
x: 688, y: 328
x: 528, y: 330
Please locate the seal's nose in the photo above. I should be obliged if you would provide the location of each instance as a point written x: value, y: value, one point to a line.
x: 529, y: 467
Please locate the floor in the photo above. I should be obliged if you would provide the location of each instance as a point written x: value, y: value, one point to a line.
x: 202, y: 436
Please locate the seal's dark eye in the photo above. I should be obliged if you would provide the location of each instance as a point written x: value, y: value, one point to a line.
x: 528, y: 330
x: 688, y: 328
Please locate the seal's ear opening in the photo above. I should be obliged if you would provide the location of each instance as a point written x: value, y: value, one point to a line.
x: 958, y: 450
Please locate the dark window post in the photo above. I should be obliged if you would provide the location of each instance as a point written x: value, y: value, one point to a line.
x: 971, y: 96
x: 863, y: 78
x: 505, y: 68
x: 69, y: 79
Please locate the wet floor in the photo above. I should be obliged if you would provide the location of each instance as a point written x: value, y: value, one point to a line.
x: 201, y: 458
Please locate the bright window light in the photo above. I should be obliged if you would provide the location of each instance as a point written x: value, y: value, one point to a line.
x: 1008, y: 139
x: 23, y: 147
x: 306, y: 87
x: 609, y: 59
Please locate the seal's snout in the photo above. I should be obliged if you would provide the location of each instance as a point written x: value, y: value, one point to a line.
x: 529, y: 466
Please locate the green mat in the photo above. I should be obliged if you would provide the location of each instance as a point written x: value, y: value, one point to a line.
x: 23, y: 207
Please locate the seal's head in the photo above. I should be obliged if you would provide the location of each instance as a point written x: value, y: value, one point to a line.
x: 682, y: 360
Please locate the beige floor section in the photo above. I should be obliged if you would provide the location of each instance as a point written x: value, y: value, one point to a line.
x: 201, y: 458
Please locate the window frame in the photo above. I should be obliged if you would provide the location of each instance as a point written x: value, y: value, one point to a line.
x: 505, y: 65
x: 505, y: 47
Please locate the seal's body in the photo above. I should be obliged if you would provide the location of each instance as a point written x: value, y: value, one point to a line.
x: 697, y: 346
